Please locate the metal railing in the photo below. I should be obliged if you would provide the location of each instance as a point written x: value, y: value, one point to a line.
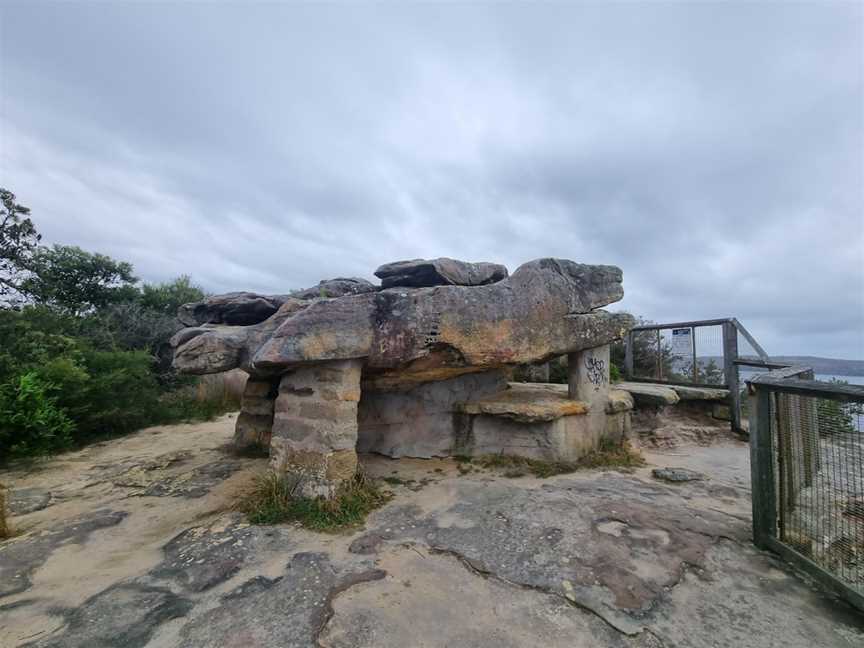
x: 807, y: 467
x: 699, y: 353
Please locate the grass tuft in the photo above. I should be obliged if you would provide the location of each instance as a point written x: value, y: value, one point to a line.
x: 608, y: 455
x: 272, y: 501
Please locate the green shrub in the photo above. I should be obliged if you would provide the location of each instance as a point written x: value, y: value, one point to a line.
x: 89, y: 355
x: 103, y: 392
x: 123, y: 394
x: 31, y: 423
x: 836, y: 416
x: 183, y: 405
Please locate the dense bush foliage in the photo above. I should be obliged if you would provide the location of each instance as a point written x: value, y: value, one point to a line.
x: 836, y: 416
x: 84, y: 350
x: 31, y: 422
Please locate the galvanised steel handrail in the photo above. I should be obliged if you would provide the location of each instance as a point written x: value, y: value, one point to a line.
x: 731, y: 360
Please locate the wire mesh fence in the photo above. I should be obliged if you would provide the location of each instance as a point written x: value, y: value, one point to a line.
x: 808, y: 488
x: 819, y: 447
x: 690, y: 354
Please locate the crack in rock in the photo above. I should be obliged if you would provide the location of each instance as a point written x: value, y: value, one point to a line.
x: 289, y: 611
x: 614, y: 545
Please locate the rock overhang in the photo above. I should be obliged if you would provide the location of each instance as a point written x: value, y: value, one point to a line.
x: 547, y: 307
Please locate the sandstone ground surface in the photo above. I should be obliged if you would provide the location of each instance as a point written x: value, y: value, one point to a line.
x: 134, y: 542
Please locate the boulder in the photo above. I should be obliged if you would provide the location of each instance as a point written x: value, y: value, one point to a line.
x: 236, y: 308
x: 214, y: 348
x: 247, y: 308
x: 424, y: 273
x: 677, y: 474
x: 339, y: 287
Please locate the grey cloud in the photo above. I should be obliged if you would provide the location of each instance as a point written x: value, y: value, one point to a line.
x: 714, y: 152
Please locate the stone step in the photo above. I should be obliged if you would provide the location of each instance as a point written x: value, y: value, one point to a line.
x: 527, y: 403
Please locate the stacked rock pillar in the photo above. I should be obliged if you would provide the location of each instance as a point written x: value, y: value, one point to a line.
x: 315, y: 426
x: 589, y: 382
x: 255, y: 421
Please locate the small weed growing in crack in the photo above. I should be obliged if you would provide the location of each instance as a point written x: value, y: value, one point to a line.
x: 395, y: 481
x: 271, y: 501
x: 612, y: 455
x: 608, y: 455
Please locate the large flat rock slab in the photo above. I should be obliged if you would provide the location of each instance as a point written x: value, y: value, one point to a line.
x: 686, y: 392
x: 288, y: 610
x: 443, y: 602
x: 339, y: 287
x: 611, y: 545
x: 423, y: 273
x: 659, y: 393
x: 547, y: 307
x: 650, y: 393
x: 527, y: 403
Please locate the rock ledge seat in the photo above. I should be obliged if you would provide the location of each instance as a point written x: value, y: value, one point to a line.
x: 528, y: 403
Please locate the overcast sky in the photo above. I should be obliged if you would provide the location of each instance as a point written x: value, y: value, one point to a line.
x: 714, y: 152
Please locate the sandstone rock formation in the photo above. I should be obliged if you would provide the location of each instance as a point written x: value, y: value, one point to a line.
x: 310, y: 351
x: 423, y: 273
x: 245, y: 308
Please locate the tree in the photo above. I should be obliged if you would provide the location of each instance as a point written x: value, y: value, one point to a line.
x: 835, y: 416
x: 18, y: 241
x: 76, y: 281
x: 646, y: 355
x: 167, y: 297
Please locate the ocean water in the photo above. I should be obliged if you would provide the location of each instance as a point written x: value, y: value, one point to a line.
x: 852, y: 380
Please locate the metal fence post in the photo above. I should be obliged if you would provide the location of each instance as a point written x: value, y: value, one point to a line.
x: 730, y: 370
x: 693, y: 350
x: 628, y: 355
x: 762, y: 468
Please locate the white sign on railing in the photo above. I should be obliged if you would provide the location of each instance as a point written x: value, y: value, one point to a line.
x: 682, y: 342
